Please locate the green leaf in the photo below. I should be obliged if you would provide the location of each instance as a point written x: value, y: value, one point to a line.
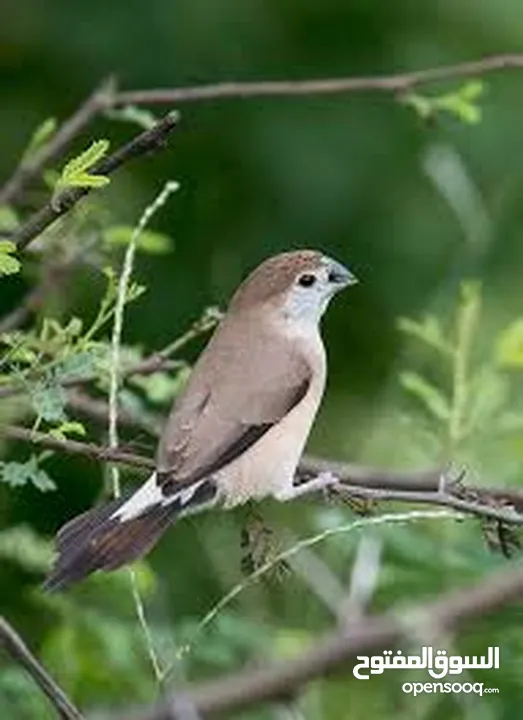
x: 488, y: 394
x: 148, y: 241
x: 39, y: 138
x: 38, y: 477
x: 81, y: 163
x: 17, y: 474
x: 76, y: 366
x: 429, y: 331
x: 68, y: 428
x: 8, y: 265
x: 435, y: 402
x: 86, y: 181
x: 462, y: 103
x: 50, y: 178
x: 161, y: 387
x: 76, y: 171
x: 48, y: 400
x: 132, y: 113
x: 508, y: 350
x: 8, y: 219
x: 421, y: 105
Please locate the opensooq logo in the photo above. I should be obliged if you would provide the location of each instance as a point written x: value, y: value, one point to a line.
x: 436, y: 662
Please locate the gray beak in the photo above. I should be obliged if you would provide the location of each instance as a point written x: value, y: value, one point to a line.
x: 340, y: 275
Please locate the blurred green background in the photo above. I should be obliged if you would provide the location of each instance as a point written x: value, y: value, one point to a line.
x: 413, y: 207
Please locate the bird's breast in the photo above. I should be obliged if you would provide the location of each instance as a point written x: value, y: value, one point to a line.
x: 269, y: 465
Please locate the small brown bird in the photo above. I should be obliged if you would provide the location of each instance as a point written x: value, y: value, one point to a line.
x: 238, y: 430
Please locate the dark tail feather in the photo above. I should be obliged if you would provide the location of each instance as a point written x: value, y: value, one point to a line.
x: 93, y: 541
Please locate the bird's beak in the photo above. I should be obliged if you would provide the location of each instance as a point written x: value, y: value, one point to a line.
x: 340, y: 275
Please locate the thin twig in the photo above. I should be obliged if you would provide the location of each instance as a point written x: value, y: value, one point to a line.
x: 332, y: 653
x: 299, y: 547
x: 106, y: 98
x: 16, y: 647
x: 158, y: 360
x: 114, y: 384
x: 428, y: 481
x: 29, y: 169
x: 145, y: 142
x: 155, y: 362
x: 357, y: 480
x: 75, y: 447
x: 397, y: 83
x: 445, y: 499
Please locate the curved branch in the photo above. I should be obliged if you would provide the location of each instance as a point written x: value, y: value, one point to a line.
x: 143, y: 143
x: 331, y: 655
x: 29, y: 169
x: 397, y: 83
x: 19, y: 651
x: 433, y: 487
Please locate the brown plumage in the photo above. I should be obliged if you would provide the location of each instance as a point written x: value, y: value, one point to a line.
x: 238, y: 429
x: 273, y: 277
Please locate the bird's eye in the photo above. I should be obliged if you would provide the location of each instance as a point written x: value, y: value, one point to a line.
x: 307, y: 280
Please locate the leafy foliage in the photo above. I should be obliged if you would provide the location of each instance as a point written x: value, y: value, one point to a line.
x: 462, y: 103
x: 19, y: 474
x: 39, y: 139
x: 76, y: 173
x: 148, y: 241
x: 22, y: 545
x: 9, y: 265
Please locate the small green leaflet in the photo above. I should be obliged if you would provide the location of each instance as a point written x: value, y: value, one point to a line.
x: 17, y: 474
x: 462, y: 103
x: 76, y: 171
x: 68, y: 428
x: 8, y: 219
x: 434, y: 401
x: 79, y: 365
x: 148, y: 241
x: 39, y: 138
x: 9, y: 265
x: 48, y: 401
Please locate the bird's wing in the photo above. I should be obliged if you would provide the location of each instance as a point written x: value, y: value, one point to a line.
x: 237, y: 391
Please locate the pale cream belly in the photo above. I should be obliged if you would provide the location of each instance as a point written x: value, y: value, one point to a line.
x: 268, y: 467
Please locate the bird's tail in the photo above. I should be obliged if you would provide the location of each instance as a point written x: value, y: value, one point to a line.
x: 112, y: 535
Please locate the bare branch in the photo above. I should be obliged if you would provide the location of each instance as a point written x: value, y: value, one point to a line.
x: 331, y: 655
x: 443, y: 498
x: 95, y: 452
x: 424, y: 481
x: 146, y: 142
x: 105, y: 98
x: 18, y: 650
x: 29, y: 169
x: 156, y: 361
x: 397, y: 83
x: 371, y: 483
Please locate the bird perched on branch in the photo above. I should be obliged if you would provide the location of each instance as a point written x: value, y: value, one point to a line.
x: 238, y: 430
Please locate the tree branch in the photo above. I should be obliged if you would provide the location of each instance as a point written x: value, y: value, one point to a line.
x: 16, y: 647
x: 146, y: 142
x: 428, y: 481
x: 434, y: 487
x: 106, y: 98
x: 29, y: 169
x: 397, y: 83
x: 90, y: 450
x: 331, y: 655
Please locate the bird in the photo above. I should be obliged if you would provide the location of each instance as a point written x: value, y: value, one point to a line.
x: 237, y: 431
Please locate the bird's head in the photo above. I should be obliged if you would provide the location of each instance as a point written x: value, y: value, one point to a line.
x: 300, y: 284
